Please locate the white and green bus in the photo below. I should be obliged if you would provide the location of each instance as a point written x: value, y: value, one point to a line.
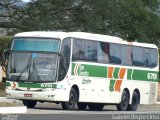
x: 83, y: 69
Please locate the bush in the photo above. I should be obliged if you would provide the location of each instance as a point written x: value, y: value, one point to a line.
x: 5, y: 42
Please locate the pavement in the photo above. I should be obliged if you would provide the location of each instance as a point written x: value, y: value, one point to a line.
x: 4, y: 99
x: 158, y: 103
x: 12, y: 110
x: 21, y: 109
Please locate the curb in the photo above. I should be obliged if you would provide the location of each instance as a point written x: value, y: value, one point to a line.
x: 158, y: 103
x: 4, y: 99
x: 13, y: 110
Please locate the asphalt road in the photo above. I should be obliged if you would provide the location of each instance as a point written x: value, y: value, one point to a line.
x: 91, y: 117
x: 51, y: 111
x: 51, y: 108
x: 63, y: 117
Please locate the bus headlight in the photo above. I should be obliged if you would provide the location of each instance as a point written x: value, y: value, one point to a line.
x: 9, y: 88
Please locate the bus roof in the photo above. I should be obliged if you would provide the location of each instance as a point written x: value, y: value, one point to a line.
x: 82, y: 35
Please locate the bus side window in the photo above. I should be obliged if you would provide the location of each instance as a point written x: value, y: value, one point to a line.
x: 90, y: 50
x: 138, y: 56
x: 103, y: 52
x: 78, y: 49
x: 128, y: 56
x: 64, y: 58
x: 115, y: 53
x: 147, y: 57
x: 154, y: 57
x: 123, y: 55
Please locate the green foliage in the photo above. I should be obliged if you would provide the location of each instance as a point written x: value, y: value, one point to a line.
x: 5, y: 42
x: 52, y: 15
x: 133, y: 20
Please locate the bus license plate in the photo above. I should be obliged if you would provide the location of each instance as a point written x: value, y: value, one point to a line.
x: 27, y: 95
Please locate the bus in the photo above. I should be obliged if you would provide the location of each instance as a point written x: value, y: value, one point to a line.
x: 81, y: 69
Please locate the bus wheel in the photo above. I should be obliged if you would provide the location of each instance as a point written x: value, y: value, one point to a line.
x: 82, y: 106
x: 123, y: 105
x: 29, y: 103
x: 95, y: 106
x: 72, y: 101
x: 135, y: 101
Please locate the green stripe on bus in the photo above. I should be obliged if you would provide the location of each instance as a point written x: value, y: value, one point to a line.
x: 89, y: 70
x: 111, y: 85
x: 8, y: 84
x: 34, y: 85
x: 143, y: 75
x: 73, y: 67
x: 96, y: 71
x: 31, y: 85
x: 116, y: 73
x: 129, y: 72
x: 101, y: 72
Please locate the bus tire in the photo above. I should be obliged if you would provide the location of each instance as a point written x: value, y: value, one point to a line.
x: 123, y: 105
x: 82, y: 106
x: 29, y: 103
x: 95, y: 106
x: 135, y: 101
x: 70, y: 105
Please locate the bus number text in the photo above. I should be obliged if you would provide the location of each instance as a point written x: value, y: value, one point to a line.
x: 46, y: 85
x: 152, y: 76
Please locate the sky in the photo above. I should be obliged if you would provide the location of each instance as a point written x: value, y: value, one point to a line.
x: 26, y: 0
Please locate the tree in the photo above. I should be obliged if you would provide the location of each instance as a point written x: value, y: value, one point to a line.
x: 49, y: 15
x: 133, y: 20
x: 12, y: 12
x: 40, y: 14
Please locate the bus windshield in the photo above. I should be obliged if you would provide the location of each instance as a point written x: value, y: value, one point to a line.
x: 33, y: 60
x: 36, y: 44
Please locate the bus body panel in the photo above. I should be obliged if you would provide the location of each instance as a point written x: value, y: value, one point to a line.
x: 45, y: 92
x: 96, y: 82
x: 105, y: 91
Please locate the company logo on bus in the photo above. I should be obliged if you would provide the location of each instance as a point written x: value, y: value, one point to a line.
x: 82, y: 71
x: 28, y: 89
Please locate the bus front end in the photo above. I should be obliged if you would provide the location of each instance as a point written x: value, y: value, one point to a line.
x: 32, y: 70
